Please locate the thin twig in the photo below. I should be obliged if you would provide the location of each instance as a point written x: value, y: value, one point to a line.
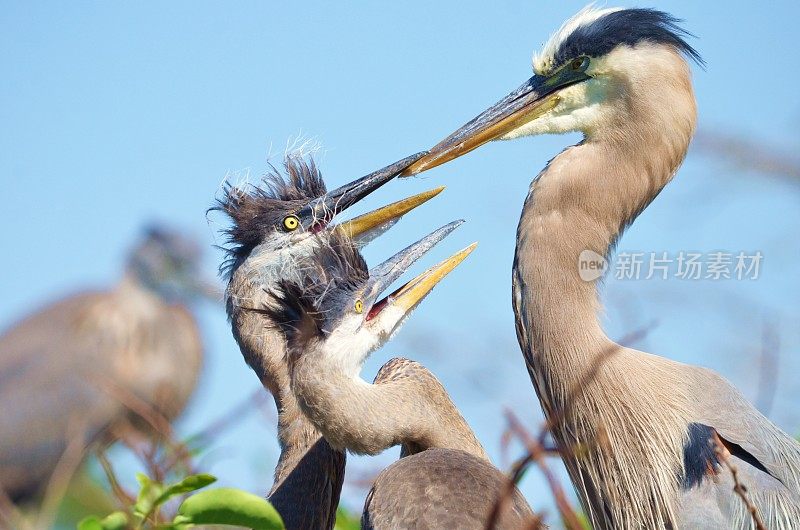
x: 212, y: 431
x: 738, y: 487
x: 138, y: 406
x: 748, y: 154
x: 508, y: 490
x: 233, y: 416
x: 538, y: 455
x: 119, y: 492
x: 538, y: 448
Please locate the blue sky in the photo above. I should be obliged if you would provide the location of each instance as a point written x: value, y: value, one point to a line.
x: 115, y: 114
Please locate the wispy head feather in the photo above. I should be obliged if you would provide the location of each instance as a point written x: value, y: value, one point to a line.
x: 255, y: 210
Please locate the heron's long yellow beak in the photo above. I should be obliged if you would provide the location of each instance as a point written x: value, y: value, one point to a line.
x: 537, y: 96
x: 408, y: 296
x: 381, y: 217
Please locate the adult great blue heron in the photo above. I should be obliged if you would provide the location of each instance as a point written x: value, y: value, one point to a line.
x: 620, y: 77
x: 73, y: 370
x: 276, y: 227
x: 332, y: 321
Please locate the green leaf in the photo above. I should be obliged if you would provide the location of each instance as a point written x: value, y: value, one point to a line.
x: 149, y: 491
x: 90, y: 523
x: 188, y: 484
x: 114, y: 521
x: 229, y: 506
x: 346, y: 520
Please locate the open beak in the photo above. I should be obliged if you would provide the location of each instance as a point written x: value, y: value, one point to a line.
x: 365, y: 228
x: 319, y: 212
x: 535, y: 97
x: 409, y: 295
x: 383, y: 275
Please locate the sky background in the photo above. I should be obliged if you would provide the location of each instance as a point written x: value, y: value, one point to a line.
x: 115, y: 114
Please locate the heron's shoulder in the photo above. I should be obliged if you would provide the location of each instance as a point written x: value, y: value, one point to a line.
x: 400, y: 368
x: 441, y: 488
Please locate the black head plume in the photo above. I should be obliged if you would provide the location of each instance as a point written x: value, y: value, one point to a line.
x: 626, y: 26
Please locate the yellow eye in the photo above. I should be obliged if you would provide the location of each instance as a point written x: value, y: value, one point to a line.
x: 291, y: 222
x: 359, y: 306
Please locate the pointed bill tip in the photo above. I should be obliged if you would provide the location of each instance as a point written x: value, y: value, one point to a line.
x: 412, y: 293
x: 381, y: 217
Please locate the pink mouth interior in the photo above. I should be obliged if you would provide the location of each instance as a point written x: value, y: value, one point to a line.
x: 380, y: 304
x: 318, y: 226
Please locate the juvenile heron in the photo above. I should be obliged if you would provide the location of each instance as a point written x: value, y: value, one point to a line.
x: 620, y: 77
x: 333, y: 320
x: 275, y: 229
x: 72, y: 370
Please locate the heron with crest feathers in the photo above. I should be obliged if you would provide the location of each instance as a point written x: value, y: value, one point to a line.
x: 276, y: 227
x: 621, y: 77
x: 333, y: 319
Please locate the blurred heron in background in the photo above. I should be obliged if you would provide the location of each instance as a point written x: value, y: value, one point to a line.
x: 679, y: 437
x: 275, y: 229
x: 333, y: 319
x: 98, y: 366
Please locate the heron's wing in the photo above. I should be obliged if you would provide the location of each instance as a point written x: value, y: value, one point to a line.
x: 45, y: 395
x: 748, y: 434
x: 441, y: 488
x: 766, y: 459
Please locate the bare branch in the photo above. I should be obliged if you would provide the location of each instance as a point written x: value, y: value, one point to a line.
x: 125, y: 498
x: 723, y: 455
x: 233, y: 416
x: 746, y: 153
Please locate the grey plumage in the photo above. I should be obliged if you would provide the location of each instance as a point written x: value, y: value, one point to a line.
x: 644, y: 423
x: 67, y: 371
x: 263, y: 250
x: 440, y: 488
x: 444, y: 479
x: 307, y: 468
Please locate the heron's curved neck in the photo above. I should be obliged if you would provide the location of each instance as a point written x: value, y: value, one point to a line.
x: 406, y: 405
x: 575, y: 211
x: 307, y: 468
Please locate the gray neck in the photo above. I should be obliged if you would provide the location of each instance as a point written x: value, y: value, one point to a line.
x: 582, y: 201
x: 309, y: 473
x: 406, y: 406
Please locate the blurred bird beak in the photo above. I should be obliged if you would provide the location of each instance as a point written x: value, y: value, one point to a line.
x: 365, y: 228
x: 408, y: 296
x: 319, y: 212
x: 535, y: 97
